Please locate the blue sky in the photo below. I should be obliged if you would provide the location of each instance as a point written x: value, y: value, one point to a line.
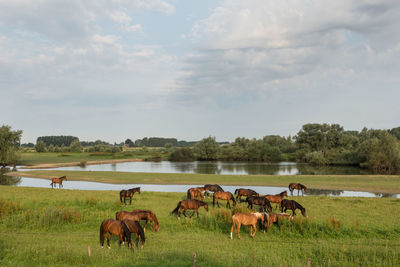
x: 121, y: 69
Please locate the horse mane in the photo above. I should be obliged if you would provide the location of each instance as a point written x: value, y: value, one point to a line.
x: 236, y: 191
x: 127, y: 233
x: 282, y: 193
x: 140, y: 232
x: 188, y: 194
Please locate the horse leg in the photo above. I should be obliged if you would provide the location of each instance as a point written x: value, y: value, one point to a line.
x: 238, y: 230
x: 130, y: 200
x: 108, y: 241
x: 217, y: 203
x: 102, y: 239
x: 197, y: 211
x: 233, y: 224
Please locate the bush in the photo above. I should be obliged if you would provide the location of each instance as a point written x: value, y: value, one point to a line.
x: 182, y: 154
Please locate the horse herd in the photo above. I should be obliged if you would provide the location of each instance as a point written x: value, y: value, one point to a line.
x: 126, y: 222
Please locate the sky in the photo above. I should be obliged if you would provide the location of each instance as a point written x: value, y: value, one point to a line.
x: 190, y: 69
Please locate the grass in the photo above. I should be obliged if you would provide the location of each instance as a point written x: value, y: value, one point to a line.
x: 55, y: 227
x: 369, y: 183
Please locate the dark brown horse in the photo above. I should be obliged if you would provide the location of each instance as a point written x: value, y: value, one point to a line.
x: 189, y: 204
x: 137, y: 215
x: 244, y: 192
x: 195, y: 192
x: 224, y: 196
x: 247, y: 219
x: 292, y: 205
x: 114, y: 227
x: 135, y: 227
x: 128, y: 193
x: 58, y: 181
x: 297, y: 186
x: 262, y: 201
x: 213, y: 188
x: 276, y: 198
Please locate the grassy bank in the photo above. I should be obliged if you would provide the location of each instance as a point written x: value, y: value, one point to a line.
x: 369, y: 183
x: 55, y: 227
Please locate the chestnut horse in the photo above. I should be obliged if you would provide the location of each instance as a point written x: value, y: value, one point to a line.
x: 262, y: 201
x: 276, y: 198
x: 292, y: 205
x: 195, y: 192
x: 128, y: 193
x: 224, y: 196
x: 58, y: 181
x: 244, y: 192
x: 274, y: 217
x: 114, y: 227
x: 137, y: 215
x: 247, y: 219
x: 135, y: 227
x: 297, y: 186
x: 189, y: 204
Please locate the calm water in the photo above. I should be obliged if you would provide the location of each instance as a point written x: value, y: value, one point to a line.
x: 263, y: 190
x: 218, y: 167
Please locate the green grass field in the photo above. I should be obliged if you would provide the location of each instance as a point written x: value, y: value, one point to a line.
x: 41, y: 227
x: 369, y: 183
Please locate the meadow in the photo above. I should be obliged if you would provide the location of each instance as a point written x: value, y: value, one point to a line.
x: 41, y: 227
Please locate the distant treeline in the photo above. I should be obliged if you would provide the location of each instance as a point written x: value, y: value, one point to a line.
x: 60, y: 140
x: 161, y: 142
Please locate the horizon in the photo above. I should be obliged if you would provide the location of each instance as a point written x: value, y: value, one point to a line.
x: 193, y: 69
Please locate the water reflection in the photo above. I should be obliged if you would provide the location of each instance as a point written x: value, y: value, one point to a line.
x: 8, y: 180
x: 320, y: 192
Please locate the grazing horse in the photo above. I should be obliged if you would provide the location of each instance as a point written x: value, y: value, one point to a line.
x: 297, y: 186
x: 224, y: 196
x: 292, y: 205
x: 244, y: 192
x: 128, y: 193
x: 137, y: 215
x: 262, y: 201
x: 114, y: 227
x: 212, y: 187
x: 274, y: 217
x: 58, y: 181
x: 135, y: 227
x: 247, y: 219
x: 194, y: 192
x: 189, y: 204
x: 276, y: 198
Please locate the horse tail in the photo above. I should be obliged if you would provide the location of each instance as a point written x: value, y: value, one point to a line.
x: 127, y: 232
x: 101, y: 232
x: 188, y: 194
x: 177, y: 208
x: 120, y: 196
x: 141, y: 233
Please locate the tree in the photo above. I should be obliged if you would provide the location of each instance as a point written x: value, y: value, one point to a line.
x: 40, y: 146
x: 9, y: 145
x: 129, y: 142
x: 206, y: 149
x: 75, y: 146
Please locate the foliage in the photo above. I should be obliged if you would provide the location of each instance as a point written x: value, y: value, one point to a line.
x: 206, y: 149
x: 75, y: 146
x: 155, y: 142
x: 57, y: 140
x: 395, y: 132
x: 40, y: 146
x: 9, y: 145
x: 182, y: 154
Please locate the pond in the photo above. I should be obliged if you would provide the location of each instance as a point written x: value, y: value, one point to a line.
x: 263, y: 190
x: 219, y: 167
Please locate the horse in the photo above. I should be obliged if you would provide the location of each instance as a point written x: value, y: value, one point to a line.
x: 114, y: 227
x: 212, y: 187
x: 224, y: 196
x: 189, y: 204
x: 274, y: 217
x: 247, y: 219
x: 58, y: 181
x: 128, y: 193
x: 194, y: 192
x: 135, y: 227
x: 297, y: 186
x: 244, y: 192
x: 277, y: 198
x: 137, y: 215
x: 292, y: 205
x: 262, y: 201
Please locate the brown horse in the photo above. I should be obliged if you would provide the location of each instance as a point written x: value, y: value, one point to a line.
x: 213, y: 188
x: 189, y: 204
x: 137, y: 215
x: 244, y: 192
x: 277, y: 198
x: 58, y: 181
x: 292, y: 205
x: 114, y: 227
x: 195, y: 192
x: 247, y: 219
x: 274, y: 217
x: 297, y: 186
x: 224, y: 196
x: 128, y: 193
x: 135, y: 227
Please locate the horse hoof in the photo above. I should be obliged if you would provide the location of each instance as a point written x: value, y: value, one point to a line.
x: 109, y: 247
x: 102, y: 247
